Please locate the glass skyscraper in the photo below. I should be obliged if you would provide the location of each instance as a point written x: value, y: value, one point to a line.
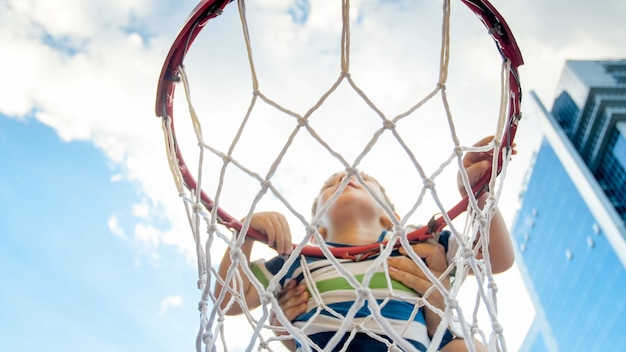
x: 570, y: 232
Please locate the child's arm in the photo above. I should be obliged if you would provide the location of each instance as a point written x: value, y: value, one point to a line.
x: 500, y: 247
x: 275, y: 226
x: 501, y: 254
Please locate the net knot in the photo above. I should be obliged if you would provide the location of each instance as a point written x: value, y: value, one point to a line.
x: 351, y: 171
x: 452, y: 303
x: 266, y: 184
x: 302, y: 121
x: 207, y: 338
x: 482, y: 220
x: 198, y: 208
x: 497, y: 328
x: 212, y: 229
x: 235, y: 252
x: 363, y: 292
x: 493, y: 286
x: 441, y: 85
x: 399, y: 229
x: 389, y: 124
x: 227, y: 159
x: 467, y: 253
x: 428, y: 183
x: 394, y: 348
x: 266, y: 298
x: 458, y: 151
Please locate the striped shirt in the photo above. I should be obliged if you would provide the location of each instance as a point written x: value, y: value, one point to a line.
x: 332, y: 298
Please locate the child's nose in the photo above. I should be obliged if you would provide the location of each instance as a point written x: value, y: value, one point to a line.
x: 352, y: 177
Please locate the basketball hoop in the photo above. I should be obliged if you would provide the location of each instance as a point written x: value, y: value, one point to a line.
x: 204, y: 206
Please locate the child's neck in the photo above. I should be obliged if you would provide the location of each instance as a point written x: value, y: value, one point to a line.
x: 355, y: 235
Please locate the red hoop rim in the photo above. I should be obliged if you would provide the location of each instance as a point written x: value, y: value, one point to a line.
x: 209, y: 9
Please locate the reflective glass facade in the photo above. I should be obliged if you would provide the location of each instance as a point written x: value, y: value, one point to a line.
x: 569, y: 232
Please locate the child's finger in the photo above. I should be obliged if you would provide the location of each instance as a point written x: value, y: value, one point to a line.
x: 283, y: 235
x: 409, y: 278
x: 293, y: 299
x: 484, y: 141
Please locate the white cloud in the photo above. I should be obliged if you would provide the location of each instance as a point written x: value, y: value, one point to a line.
x: 114, y: 227
x: 148, y: 234
x: 170, y: 302
x: 78, y: 69
x: 117, y: 178
x: 141, y: 210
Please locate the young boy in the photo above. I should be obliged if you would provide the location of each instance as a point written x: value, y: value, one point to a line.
x: 355, y: 218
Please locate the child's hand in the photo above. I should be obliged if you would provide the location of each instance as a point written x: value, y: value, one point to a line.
x: 477, y: 163
x: 275, y: 226
x: 403, y: 269
x: 292, y: 301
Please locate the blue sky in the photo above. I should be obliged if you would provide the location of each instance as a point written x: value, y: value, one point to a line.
x: 69, y: 284
x: 95, y: 251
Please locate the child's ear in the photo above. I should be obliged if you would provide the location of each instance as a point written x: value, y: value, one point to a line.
x: 386, y: 222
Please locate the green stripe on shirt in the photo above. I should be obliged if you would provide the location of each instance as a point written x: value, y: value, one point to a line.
x: 258, y: 272
x: 377, y: 281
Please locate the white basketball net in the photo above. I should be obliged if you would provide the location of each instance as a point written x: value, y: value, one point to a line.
x: 219, y: 168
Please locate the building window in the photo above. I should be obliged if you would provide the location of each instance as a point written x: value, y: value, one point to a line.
x: 617, y: 70
x: 611, y: 174
x: 565, y: 111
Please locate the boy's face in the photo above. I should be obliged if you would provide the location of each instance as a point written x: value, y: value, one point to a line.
x: 354, y: 203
